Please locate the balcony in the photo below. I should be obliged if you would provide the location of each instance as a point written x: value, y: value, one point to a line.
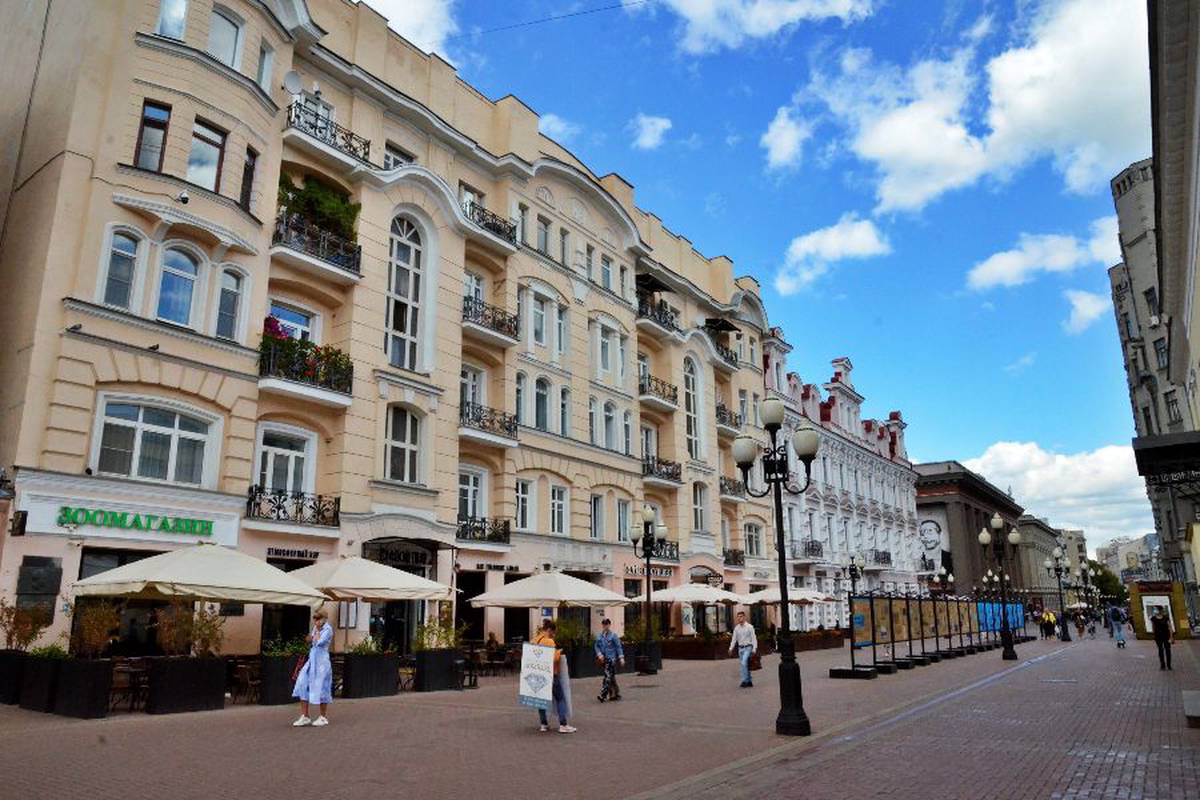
x: 490, y: 323
x: 661, y: 472
x: 728, y: 359
x: 879, y: 559
x: 657, y: 393
x: 487, y: 425
x: 732, y: 489
x: 314, y: 250
x: 729, y: 423
x: 808, y: 550
x: 337, y: 147
x: 297, y: 508
x: 484, y: 530
x: 665, y: 550
x: 734, y: 558
x: 490, y: 222
x: 657, y: 317
x: 302, y: 370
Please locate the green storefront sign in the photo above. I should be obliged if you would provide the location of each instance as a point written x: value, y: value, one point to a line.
x: 132, y: 521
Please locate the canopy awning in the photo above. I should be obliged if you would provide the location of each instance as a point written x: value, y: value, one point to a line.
x: 548, y: 589
x: 357, y: 578
x: 696, y: 593
x: 202, y: 572
x: 720, y: 325
x: 796, y: 597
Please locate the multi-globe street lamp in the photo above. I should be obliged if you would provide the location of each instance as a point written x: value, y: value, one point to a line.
x: 1059, y: 567
x: 995, y: 541
x: 646, y: 541
x: 792, y: 720
x: 854, y: 569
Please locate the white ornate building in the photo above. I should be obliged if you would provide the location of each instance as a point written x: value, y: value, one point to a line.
x: 862, y: 499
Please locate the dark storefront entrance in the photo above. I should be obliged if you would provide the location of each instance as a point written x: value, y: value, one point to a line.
x: 470, y: 584
x: 395, y: 623
x: 280, y: 621
x: 137, y: 632
x: 516, y: 620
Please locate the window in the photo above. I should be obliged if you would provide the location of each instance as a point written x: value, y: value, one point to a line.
x: 753, y: 351
x: 592, y: 420
x: 394, y: 156
x: 753, y: 539
x: 1147, y: 420
x: 724, y: 532
x: 543, y: 236
x: 596, y: 528
x: 643, y: 365
x: 473, y: 287
x: 469, y: 196
x: 122, y: 261
x: 1172, y: 401
x: 757, y: 411
x: 627, y: 433
x: 266, y: 57
x: 606, y: 272
x: 248, y: 167
x: 649, y: 442
x: 177, y: 284
x: 741, y: 347
x: 524, y: 520
x: 281, y: 462
x: 539, y: 321
x: 1161, y: 353
x: 564, y: 411
x: 541, y: 404
x: 558, y: 510
x: 522, y: 222
x: 624, y: 277
x: 146, y: 441
x: 743, y: 404
x: 589, y: 255
x: 520, y: 398
x: 560, y: 329
x: 1128, y: 326
x: 404, y: 428
x: 295, y: 323
x: 229, y: 304
x: 622, y: 520
x: 172, y: 17
x: 1151, y: 300
x: 622, y: 344
x: 470, y: 494
x: 690, y: 408
x: 404, y: 294
x: 564, y: 246
x: 204, y: 160
x: 470, y: 387
x: 224, y: 38
x: 699, y: 504
x: 610, y: 421
x: 151, y: 134
x: 605, y: 349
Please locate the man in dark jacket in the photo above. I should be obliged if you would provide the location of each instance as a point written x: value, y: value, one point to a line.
x: 1164, y: 636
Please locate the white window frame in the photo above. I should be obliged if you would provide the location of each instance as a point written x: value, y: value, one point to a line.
x: 605, y: 350
x: 627, y: 432
x: 530, y: 504
x: 162, y: 8
x: 699, y: 506
x: 623, y: 508
x: 240, y: 322
x: 752, y: 533
x: 606, y: 272
x: 389, y: 444
x: 239, y: 42
x: 412, y: 338
x: 480, y: 383
x: 538, y: 319
x: 564, y: 410
x: 560, y: 329
x: 596, y: 518
x: 212, y: 444
x: 691, y: 410
x: 520, y: 390
x: 140, y: 260
x: 481, y: 504
x: 544, y: 399
x: 266, y: 66
x: 196, y: 313
x: 310, y: 450
x: 593, y: 420
x: 314, y: 326
x: 610, y: 425
x: 560, y: 509
x: 474, y: 286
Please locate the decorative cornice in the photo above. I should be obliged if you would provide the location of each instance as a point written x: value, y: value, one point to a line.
x: 168, y: 215
x: 175, y: 47
x: 408, y: 382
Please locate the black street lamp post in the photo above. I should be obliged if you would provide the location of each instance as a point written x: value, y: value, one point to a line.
x: 645, y: 545
x: 1058, y: 567
x: 944, y: 591
x: 995, y: 540
x: 792, y: 719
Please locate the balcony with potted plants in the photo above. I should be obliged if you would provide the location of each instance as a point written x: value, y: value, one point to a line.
x: 303, y: 370
x: 490, y: 324
x: 657, y: 393
x: 314, y: 231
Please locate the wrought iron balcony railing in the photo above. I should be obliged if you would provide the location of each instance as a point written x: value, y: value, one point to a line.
x: 655, y: 467
x: 659, y: 313
x: 732, y: 487
x: 808, y: 548
x: 491, y: 317
x: 665, y: 550
x: 734, y: 557
x: 726, y: 354
x: 295, y: 232
x: 305, y: 118
x: 490, y: 222
x: 488, y: 420
x: 880, y: 558
x: 482, y: 529
x: 295, y: 507
x: 304, y: 362
x: 728, y: 417
x: 657, y: 387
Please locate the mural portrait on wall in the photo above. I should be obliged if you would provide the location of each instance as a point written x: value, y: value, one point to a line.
x: 934, y: 534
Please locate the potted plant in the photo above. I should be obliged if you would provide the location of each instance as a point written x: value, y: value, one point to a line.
x: 181, y: 681
x: 84, y: 683
x: 635, y: 641
x: 370, y: 671
x: 21, y: 628
x: 436, y: 651
x: 39, y: 679
x: 279, y: 659
x: 575, y: 640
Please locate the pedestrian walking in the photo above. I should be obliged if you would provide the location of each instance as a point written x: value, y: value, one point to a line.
x: 611, y: 655
x: 559, y: 689
x: 1164, y: 636
x: 746, y: 643
x: 314, y: 681
x: 1116, y: 625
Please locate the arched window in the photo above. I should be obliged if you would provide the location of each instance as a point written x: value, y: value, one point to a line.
x: 229, y: 305
x: 520, y: 398
x: 541, y: 404
x: 610, y: 425
x: 592, y: 420
x: 564, y: 411
x: 405, y: 270
x: 177, y: 286
x: 225, y: 37
x: 122, y: 262
x: 154, y: 442
x: 403, y: 443
x: 691, y: 404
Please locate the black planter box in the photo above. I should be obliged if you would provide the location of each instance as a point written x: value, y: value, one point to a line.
x: 634, y: 649
x: 181, y: 683
x: 39, y: 679
x: 376, y: 675
x: 581, y: 662
x: 12, y: 666
x: 276, y: 684
x: 436, y: 670
x: 83, y: 688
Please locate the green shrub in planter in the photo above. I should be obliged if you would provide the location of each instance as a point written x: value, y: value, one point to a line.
x: 21, y: 627
x: 279, y: 659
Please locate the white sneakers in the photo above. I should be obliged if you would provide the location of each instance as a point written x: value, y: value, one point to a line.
x: 544, y: 728
x: 320, y: 722
x: 566, y: 728
x: 300, y: 723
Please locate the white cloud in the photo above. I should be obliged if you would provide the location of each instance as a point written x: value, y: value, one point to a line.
x: 1021, y: 364
x: 1098, y: 491
x: 557, y: 128
x: 784, y: 139
x: 926, y: 132
x: 710, y: 25
x: 1047, y: 252
x: 1086, y: 308
x: 425, y: 23
x: 648, y: 131
x: 809, y: 256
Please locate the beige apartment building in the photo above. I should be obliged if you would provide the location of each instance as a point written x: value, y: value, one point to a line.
x: 448, y: 345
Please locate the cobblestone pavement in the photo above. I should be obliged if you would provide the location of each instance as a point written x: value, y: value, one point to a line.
x: 1068, y: 721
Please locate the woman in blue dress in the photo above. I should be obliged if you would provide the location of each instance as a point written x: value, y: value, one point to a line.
x: 314, y: 683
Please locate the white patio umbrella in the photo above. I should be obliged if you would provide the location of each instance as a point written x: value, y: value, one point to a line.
x: 1077, y: 606
x: 358, y: 578
x: 696, y: 593
x: 549, y: 589
x: 796, y: 597
x: 202, y: 572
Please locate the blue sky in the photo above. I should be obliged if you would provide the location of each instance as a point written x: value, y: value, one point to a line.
x: 924, y: 192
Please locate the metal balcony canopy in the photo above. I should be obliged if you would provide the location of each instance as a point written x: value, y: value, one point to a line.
x: 720, y: 325
x: 648, y: 283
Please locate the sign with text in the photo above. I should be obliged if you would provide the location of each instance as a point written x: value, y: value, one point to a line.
x: 861, y: 633
x: 536, y: 687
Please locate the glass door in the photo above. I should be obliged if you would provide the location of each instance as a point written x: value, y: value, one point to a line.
x: 470, y: 486
x: 281, y: 464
